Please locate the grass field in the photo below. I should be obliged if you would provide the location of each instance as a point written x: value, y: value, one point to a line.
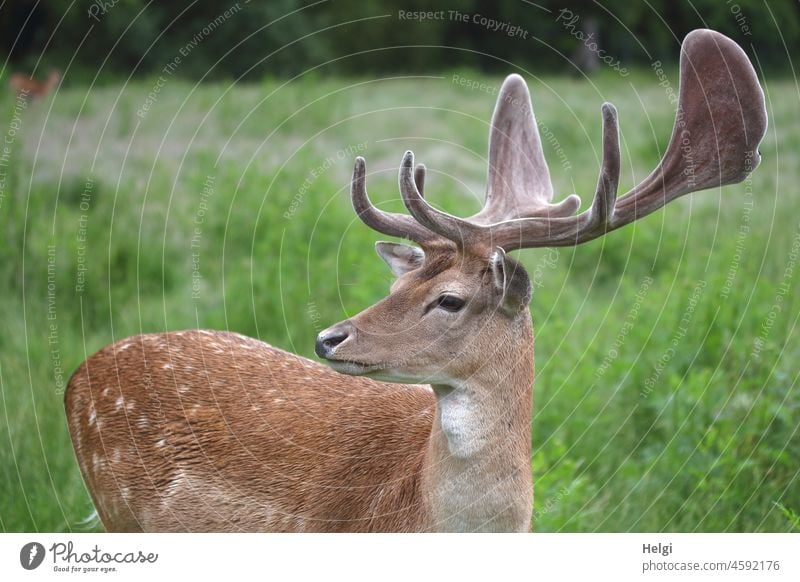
x: 666, y: 396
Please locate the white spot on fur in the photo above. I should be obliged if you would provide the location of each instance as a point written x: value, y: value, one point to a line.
x: 124, y: 346
x: 155, y: 339
x: 92, y: 416
x: 167, y: 366
x: 120, y: 402
x: 161, y: 442
x: 174, y: 487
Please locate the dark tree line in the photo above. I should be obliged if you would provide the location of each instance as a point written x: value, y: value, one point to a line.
x: 286, y: 37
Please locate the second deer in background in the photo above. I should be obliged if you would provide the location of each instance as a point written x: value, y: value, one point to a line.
x: 27, y: 87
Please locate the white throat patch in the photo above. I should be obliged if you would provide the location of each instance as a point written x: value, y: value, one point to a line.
x: 461, y: 424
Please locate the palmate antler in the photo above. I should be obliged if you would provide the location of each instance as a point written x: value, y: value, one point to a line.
x: 721, y: 119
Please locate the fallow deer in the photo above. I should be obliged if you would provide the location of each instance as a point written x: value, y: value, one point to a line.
x: 29, y: 88
x: 422, y: 421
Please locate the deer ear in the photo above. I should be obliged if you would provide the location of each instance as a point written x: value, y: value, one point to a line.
x: 400, y: 258
x: 511, y: 282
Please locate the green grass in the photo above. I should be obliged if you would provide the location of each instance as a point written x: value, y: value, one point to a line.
x: 679, y: 303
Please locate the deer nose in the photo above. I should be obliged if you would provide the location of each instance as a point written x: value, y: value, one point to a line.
x: 328, y: 339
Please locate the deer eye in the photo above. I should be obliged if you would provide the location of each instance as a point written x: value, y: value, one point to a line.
x: 449, y: 303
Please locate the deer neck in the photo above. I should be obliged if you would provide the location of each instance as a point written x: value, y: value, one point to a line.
x: 477, y: 466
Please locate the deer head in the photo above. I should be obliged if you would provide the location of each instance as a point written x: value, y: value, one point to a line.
x: 458, y: 296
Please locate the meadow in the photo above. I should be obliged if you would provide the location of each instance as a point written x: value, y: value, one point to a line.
x: 666, y: 394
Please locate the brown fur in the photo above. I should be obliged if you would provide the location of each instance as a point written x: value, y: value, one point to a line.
x: 213, y: 431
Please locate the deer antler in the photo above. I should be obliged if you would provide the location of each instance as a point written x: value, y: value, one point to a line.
x: 390, y: 223
x: 721, y: 120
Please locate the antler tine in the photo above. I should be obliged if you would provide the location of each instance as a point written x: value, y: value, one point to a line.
x: 388, y: 223
x: 456, y: 229
x: 419, y: 179
x: 607, y: 184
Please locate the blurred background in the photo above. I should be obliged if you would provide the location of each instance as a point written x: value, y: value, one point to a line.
x: 168, y: 166
x: 344, y: 37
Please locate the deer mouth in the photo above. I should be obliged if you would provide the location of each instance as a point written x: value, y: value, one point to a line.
x: 351, y: 368
x: 383, y: 371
